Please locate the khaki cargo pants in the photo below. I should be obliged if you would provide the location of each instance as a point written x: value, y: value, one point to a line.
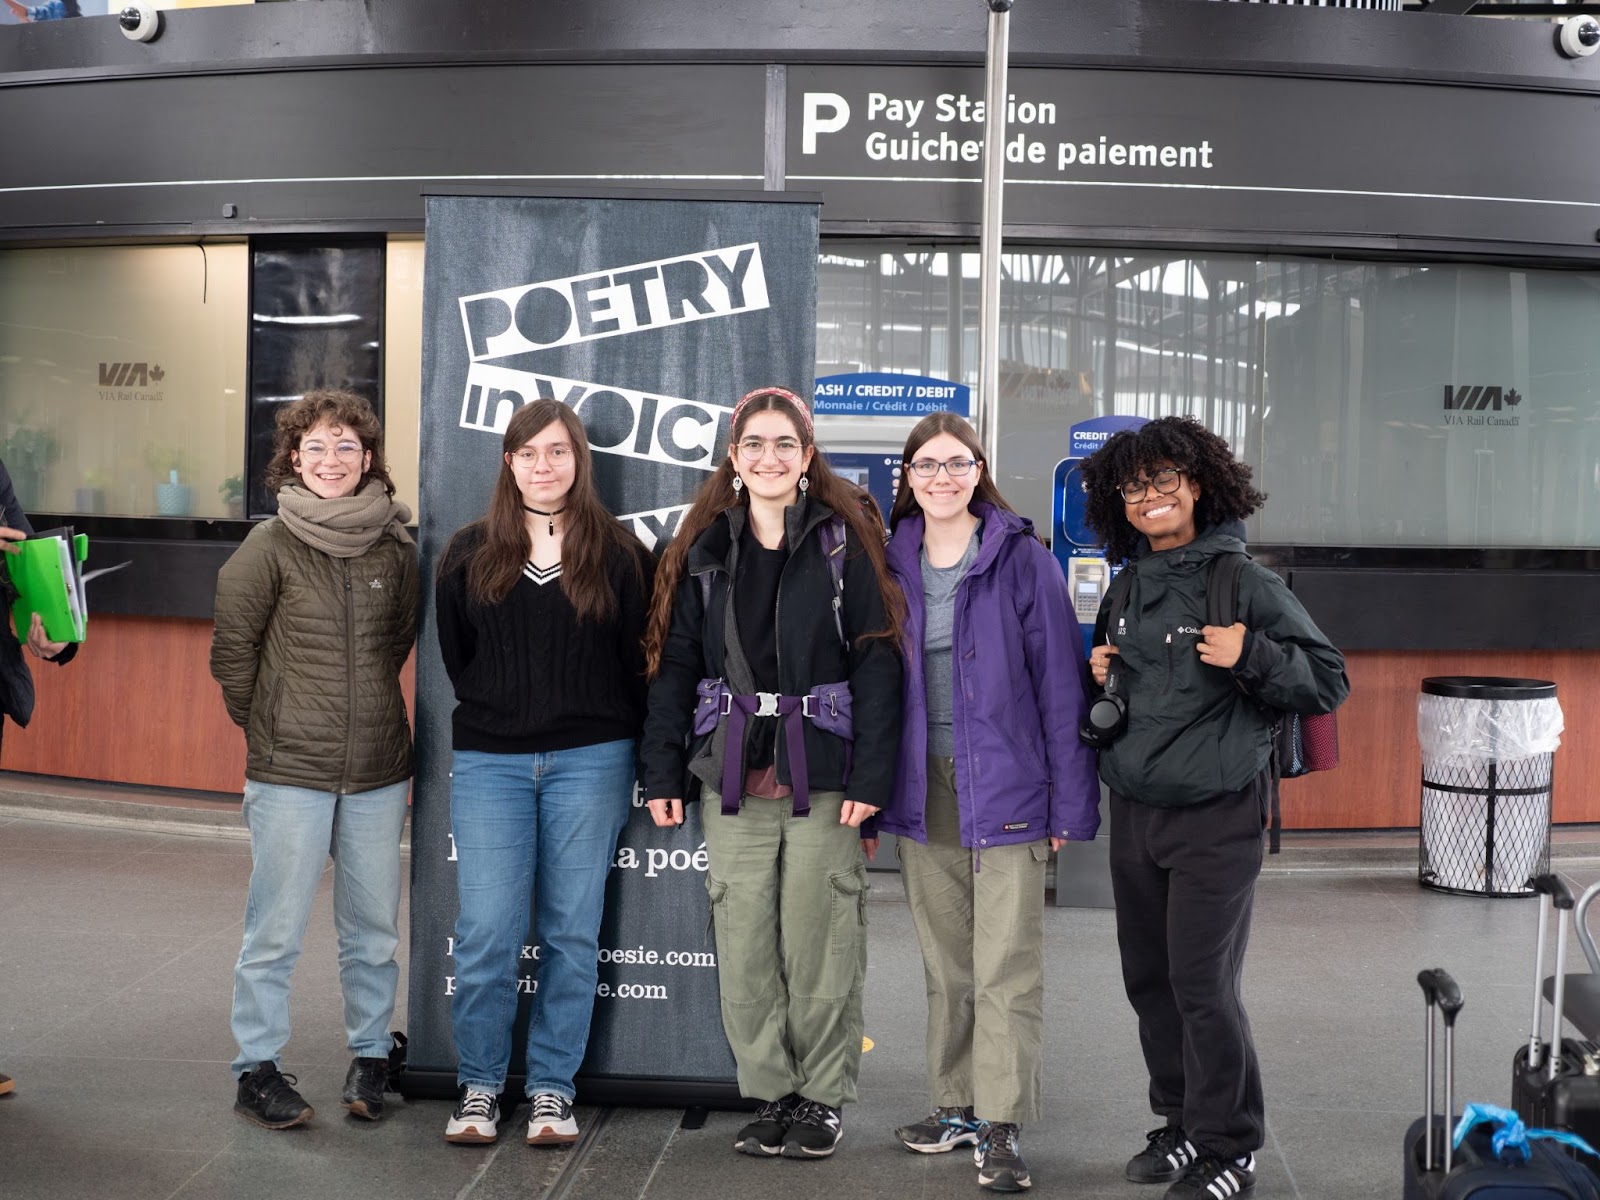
x: 788, y: 901
x: 981, y: 926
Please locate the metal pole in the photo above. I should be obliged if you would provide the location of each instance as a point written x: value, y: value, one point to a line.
x: 994, y: 178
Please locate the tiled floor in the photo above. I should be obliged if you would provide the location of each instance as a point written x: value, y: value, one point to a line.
x: 117, y: 943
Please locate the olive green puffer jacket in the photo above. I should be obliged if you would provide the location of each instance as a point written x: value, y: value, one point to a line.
x: 308, y: 650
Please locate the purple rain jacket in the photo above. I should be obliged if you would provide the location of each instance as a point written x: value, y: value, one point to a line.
x: 1017, y: 697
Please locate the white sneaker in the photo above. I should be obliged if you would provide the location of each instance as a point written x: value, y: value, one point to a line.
x: 476, y: 1119
x: 551, y: 1123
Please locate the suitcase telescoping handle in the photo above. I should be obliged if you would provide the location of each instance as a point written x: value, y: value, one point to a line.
x: 1440, y: 991
x: 1553, y: 892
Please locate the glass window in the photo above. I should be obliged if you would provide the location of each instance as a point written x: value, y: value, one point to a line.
x: 1082, y: 334
x: 1430, y: 405
x: 1380, y: 405
x: 122, y: 373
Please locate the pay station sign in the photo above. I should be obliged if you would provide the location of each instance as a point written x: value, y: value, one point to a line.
x: 888, y: 394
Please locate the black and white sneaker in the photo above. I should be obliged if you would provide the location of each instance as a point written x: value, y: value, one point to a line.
x: 764, y: 1134
x: 814, y: 1130
x: 551, y: 1122
x: 476, y: 1120
x: 1216, y: 1179
x: 1164, y: 1159
x: 999, y: 1159
x: 942, y: 1131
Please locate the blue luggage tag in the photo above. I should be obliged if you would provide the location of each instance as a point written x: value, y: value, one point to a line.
x: 1510, y: 1133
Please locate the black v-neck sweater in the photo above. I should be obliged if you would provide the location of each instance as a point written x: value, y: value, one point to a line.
x: 529, y: 676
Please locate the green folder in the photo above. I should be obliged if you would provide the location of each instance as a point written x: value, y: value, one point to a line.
x: 47, y: 571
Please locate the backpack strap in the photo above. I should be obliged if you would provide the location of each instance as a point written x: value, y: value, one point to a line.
x: 1111, y: 607
x: 1222, y: 608
x: 1222, y: 588
x: 832, y: 534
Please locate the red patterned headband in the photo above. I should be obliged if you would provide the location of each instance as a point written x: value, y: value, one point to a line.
x: 782, y: 393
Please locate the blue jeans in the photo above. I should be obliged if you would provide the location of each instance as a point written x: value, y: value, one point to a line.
x: 545, y: 825
x: 292, y: 832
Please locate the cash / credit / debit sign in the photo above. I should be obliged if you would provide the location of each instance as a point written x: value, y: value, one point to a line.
x: 887, y: 394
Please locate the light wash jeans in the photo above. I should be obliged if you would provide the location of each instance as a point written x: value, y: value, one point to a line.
x: 545, y: 825
x: 292, y: 832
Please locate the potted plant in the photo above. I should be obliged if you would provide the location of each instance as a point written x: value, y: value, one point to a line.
x: 26, y: 454
x: 232, y: 493
x: 90, y: 495
x: 174, y: 498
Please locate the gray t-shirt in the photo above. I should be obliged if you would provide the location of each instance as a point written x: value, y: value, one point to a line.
x: 938, y: 600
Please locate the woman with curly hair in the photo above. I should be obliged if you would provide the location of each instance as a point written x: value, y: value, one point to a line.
x: 316, y: 612
x: 774, y: 612
x: 1191, y: 779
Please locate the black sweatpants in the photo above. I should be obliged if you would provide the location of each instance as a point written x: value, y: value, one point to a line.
x: 1184, y: 880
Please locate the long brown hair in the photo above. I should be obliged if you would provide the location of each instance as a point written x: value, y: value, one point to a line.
x: 590, y: 530
x: 930, y: 427
x: 717, y: 495
x: 343, y: 409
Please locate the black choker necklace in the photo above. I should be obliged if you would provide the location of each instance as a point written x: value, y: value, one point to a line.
x: 541, y: 512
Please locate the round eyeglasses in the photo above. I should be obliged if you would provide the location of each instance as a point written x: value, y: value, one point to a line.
x: 556, y: 455
x: 1165, y: 482
x: 752, y: 448
x: 344, y: 451
x: 953, y: 467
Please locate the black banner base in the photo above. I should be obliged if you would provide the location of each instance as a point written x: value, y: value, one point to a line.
x: 617, y: 1093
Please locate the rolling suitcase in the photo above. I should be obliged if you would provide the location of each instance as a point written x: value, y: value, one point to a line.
x: 1435, y: 1169
x: 1556, y: 1084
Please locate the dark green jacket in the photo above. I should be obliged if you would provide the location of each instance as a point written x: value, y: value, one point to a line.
x: 308, y: 650
x: 1197, y: 731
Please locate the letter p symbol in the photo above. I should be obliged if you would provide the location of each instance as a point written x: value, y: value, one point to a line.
x: 813, y: 122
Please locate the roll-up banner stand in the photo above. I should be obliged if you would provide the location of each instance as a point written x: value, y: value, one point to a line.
x: 650, y: 314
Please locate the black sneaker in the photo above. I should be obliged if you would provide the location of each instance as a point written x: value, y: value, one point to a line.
x: 550, y: 1120
x: 1216, y: 1179
x: 267, y: 1097
x: 1164, y: 1159
x: 999, y: 1159
x: 476, y: 1120
x: 814, y: 1130
x: 942, y: 1131
x: 765, y: 1133
x: 364, y: 1086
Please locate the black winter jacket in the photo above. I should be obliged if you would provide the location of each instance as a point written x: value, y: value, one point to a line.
x: 809, y: 653
x: 1196, y: 731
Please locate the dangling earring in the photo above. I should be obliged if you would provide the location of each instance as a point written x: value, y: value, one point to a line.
x: 738, y: 483
x: 805, y: 484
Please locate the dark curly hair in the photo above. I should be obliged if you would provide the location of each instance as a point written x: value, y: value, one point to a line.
x: 1226, y: 493
x: 342, y: 410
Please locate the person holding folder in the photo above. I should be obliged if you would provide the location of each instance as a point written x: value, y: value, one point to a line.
x: 316, y: 613
x: 16, y: 684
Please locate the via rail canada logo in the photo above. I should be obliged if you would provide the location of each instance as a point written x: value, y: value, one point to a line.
x: 1478, y: 404
x: 131, y: 380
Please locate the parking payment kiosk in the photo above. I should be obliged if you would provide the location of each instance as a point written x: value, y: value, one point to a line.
x: 1077, y: 549
x: 1083, y: 869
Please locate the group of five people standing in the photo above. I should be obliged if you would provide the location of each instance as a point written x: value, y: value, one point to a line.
x: 812, y: 686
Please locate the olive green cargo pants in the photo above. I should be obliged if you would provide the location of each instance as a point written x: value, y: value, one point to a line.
x: 980, y: 921
x: 788, y: 901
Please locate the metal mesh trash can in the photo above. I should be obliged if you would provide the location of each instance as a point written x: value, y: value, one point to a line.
x: 1488, y: 753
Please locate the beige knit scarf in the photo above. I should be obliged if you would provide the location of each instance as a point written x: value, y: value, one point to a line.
x: 346, y: 526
